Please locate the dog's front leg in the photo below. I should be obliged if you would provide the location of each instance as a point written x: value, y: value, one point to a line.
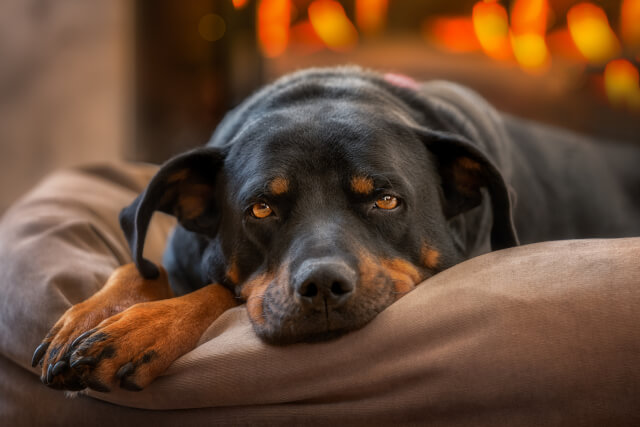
x: 127, y: 318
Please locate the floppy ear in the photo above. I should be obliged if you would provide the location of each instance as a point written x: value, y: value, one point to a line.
x: 183, y: 187
x: 465, y: 170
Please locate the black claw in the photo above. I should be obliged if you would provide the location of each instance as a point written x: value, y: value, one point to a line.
x: 49, y: 374
x: 88, y: 360
x: 81, y: 337
x: 59, y: 367
x: 127, y: 384
x: 125, y: 370
x: 40, y: 351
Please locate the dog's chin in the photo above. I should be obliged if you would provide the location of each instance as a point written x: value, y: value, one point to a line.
x: 280, y: 339
x: 292, y: 332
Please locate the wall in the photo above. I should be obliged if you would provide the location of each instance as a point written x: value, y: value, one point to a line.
x: 64, y: 87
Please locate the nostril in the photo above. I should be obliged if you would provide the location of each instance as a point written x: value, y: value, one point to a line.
x: 338, y: 288
x: 310, y: 290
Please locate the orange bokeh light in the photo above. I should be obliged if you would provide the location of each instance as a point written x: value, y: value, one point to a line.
x: 528, y: 28
x: 371, y: 15
x: 332, y: 25
x: 530, y: 50
x: 621, y: 83
x: 274, y: 17
x: 239, y: 4
x: 491, y: 26
x: 455, y: 33
x: 590, y: 30
x: 561, y: 43
x: 630, y: 23
x: 529, y: 17
x: 305, y: 39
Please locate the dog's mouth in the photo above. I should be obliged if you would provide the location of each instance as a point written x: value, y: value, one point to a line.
x: 323, y: 299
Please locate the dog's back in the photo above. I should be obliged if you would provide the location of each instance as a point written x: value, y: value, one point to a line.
x: 572, y: 186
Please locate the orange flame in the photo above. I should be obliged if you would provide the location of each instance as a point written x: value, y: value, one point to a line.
x: 274, y: 17
x: 371, y: 15
x: 455, y: 33
x: 239, y: 4
x: 492, y: 29
x: 332, y: 25
x: 591, y: 33
x: 630, y: 23
x: 621, y: 83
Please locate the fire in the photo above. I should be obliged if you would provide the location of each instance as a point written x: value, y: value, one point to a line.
x: 332, y: 25
x: 454, y: 33
x: 274, y: 18
x: 492, y: 29
x: 630, y: 23
x: 591, y: 33
x: 371, y: 15
x: 621, y: 83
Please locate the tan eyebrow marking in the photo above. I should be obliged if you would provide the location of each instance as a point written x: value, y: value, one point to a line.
x: 279, y: 186
x: 362, y: 184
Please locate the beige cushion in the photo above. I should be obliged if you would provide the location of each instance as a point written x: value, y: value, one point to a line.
x: 536, y: 335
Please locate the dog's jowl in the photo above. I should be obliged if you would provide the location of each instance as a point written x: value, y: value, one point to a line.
x: 320, y: 201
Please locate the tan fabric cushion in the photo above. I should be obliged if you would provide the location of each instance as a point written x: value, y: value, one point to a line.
x: 540, y: 334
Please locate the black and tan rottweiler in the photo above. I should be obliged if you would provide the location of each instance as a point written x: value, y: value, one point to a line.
x: 320, y: 201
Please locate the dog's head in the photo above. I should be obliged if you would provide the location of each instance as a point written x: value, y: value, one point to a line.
x: 330, y: 197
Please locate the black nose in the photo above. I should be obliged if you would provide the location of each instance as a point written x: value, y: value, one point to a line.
x: 324, y: 280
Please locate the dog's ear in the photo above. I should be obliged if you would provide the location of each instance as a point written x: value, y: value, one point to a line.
x: 464, y: 171
x: 183, y: 187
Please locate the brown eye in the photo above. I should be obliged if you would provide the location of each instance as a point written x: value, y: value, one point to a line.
x: 387, y: 202
x: 261, y: 210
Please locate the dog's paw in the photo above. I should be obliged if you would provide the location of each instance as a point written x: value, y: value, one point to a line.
x: 53, y: 354
x: 130, y: 349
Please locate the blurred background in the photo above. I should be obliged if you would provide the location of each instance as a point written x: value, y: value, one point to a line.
x: 86, y: 81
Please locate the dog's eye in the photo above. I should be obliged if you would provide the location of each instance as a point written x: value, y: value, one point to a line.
x: 387, y: 202
x: 261, y: 210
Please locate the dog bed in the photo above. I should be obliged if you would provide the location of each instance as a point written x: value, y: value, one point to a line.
x: 544, y: 334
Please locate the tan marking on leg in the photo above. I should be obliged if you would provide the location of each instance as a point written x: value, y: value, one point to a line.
x: 430, y: 257
x: 124, y: 288
x: 362, y: 184
x: 160, y: 330
x: 279, y: 186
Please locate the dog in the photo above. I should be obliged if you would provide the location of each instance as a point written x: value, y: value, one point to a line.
x: 320, y: 201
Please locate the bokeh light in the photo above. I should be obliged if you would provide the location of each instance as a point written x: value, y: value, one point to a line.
x: 371, y: 15
x: 274, y: 19
x: 621, y: 82
x: 491, y: 25
x: 453, y: 33
x: 590, y: 30
x: 212, y: 27
x: 332, y: 25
